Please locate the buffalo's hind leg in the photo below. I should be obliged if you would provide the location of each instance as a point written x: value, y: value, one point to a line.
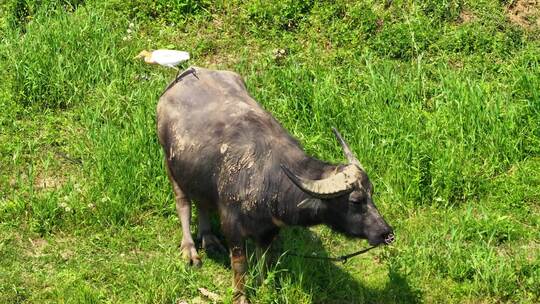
x: 183, y: 208
x: 209, y: 241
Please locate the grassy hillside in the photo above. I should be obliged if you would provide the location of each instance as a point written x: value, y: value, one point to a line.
x: 440, y: 100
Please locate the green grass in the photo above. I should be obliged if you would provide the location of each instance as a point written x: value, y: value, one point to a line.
x: 443, y: 112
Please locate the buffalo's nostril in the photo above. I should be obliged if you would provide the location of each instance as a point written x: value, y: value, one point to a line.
x: 389, y: 238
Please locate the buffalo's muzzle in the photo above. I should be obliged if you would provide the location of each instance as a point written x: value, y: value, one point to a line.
x: 389, y: 239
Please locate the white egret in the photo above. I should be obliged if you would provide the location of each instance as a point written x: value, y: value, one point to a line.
x: 168, y: 58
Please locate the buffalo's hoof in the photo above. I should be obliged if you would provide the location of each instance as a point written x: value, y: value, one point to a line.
x: 190, y: 255
x: 211, y: 243
x: 241, y: 300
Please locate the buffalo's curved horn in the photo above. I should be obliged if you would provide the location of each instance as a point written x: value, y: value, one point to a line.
x: 333, y: 186
x: 346, y: 150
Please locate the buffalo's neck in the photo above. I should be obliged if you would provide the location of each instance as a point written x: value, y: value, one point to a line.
x: 288, y: 210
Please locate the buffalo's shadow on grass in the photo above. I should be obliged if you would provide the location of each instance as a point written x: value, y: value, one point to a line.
x: 329, y: 283
x: 324, y: 280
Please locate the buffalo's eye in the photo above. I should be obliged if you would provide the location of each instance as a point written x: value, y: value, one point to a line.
x: 355, y: 201
x: 358, y: 207
x: 357, y: 197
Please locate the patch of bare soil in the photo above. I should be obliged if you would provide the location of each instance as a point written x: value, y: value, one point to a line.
x: 36, y: 247
x: 49, y: 182
x: 466, y: 16
x: 524, y: 13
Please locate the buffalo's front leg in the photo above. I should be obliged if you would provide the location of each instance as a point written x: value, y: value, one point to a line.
x: 236, y: 242
x: 239, y: 268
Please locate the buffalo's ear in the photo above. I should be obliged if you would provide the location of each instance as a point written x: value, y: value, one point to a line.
x: 311, y: 203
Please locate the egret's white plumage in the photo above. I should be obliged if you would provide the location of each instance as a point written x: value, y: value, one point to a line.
x: 168, y: 58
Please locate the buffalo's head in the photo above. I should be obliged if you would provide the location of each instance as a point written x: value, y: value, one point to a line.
x: 346, y: 197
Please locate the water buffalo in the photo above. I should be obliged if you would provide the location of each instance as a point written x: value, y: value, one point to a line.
x: 228, y: 154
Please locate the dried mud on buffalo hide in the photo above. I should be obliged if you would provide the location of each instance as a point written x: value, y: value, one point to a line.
x: 524, y: 13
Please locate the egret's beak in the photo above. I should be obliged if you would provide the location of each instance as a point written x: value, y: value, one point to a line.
x: 141, y: 55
